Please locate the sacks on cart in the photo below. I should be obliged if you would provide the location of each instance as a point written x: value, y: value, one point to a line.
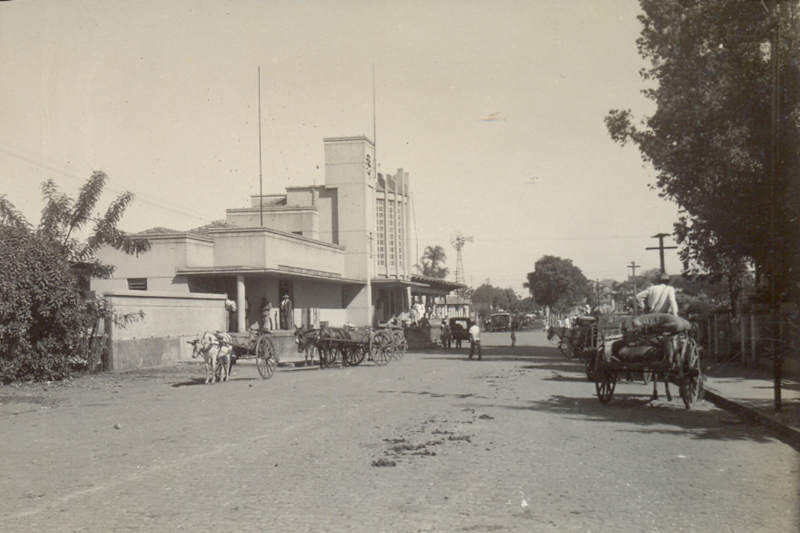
x: 358, y: 334
x: 653, y: 337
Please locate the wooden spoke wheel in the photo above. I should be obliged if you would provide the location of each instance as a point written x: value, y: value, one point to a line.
x: 321, y: 354
x: 605, y: 381
x: 566, y: 348
x: 266, y: 359
x: 591, y: 363
x: 357, y: 354
x: 691, y: 379
x: 399, y: 344
x: 333, y: 355
x: 380, y: 349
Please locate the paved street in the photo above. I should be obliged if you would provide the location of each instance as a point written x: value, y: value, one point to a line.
x: 516, y: 442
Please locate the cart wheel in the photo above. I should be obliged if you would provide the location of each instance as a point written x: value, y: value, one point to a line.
x: 321, y: 355
x: 605, y: 380
x: 399, y: 344
x: 380, y: 348
x: 266, y: 361
x: 691, y: 378
x: 566, y: 349
x: 357, y: 355
x: 605, y: 384
x: 332, y: 354
x: 591, y: 364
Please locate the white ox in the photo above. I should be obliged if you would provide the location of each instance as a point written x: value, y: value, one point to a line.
x: 216, y: 348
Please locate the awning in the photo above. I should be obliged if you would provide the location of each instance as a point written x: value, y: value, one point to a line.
x: 282, y: 271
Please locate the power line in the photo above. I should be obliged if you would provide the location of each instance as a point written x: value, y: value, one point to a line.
x: 140, y: 197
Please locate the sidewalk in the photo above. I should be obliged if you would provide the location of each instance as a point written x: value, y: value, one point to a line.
x: 750, y: 392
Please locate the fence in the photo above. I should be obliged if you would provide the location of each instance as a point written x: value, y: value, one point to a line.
x: 749, y: 338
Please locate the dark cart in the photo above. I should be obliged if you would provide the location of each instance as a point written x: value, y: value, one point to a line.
x: 380, y: 345
x: 670, y: 352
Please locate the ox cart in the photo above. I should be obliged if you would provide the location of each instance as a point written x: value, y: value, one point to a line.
x: 258, y: 346
x: 582, y: 341
x: 350, y: 346
x: 658, y: 344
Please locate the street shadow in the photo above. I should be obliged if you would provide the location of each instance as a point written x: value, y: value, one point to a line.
x: 191, y: 382
x: 434, y: 394
x: 202, y: 381
x: 660, y: 416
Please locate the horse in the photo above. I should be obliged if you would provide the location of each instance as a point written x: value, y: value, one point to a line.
x: 324, y: 339
x: 216, y: 348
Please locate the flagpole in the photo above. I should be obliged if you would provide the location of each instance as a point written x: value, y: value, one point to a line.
x: 260, y: 177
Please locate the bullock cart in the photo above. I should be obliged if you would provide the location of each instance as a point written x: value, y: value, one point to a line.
x: 349, y: 346
x: 582, y: 341
x: 258, y: 346
x: 657, y: 344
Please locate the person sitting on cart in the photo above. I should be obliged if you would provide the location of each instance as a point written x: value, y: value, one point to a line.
x: 658, y: 298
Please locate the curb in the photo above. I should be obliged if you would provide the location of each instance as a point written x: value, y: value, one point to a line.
x: 787, y: 433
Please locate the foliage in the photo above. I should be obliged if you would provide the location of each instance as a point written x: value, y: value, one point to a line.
x: 557, y: 283
x: 709, y: 139
x: 41, y: 312
x: 432, y: 262
x: 43, y: 316
x: 488, y: 299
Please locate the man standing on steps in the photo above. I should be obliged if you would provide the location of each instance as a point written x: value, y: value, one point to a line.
x: 287, y: 313
x: 475, y: 340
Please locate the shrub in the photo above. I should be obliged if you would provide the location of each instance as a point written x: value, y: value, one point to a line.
x: 41, y: 310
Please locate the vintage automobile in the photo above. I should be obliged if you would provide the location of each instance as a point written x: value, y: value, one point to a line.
x: 458, y: 331
x: 499, y: 322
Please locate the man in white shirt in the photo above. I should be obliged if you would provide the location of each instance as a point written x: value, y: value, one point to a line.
x: 659, y: 298
x: 474, y: 340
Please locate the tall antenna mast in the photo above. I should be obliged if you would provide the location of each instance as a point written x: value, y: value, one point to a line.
x: 374, y: 124
x: 260, y: 179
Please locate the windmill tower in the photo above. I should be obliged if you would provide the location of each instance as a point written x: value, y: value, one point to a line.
x: 458, y: 240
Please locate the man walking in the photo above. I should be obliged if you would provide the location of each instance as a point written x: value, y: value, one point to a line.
x: 474, y: 340
x: 659, y: 298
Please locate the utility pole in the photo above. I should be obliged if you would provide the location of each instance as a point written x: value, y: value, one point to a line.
x: 775, y: 197
x: 633, y: 266
x: 661, y: 248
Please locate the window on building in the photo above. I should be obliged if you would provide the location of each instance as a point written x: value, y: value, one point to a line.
x: 391, y: 237
x: 400, y: 235
x: 137, y: 284
x: 380, y: 233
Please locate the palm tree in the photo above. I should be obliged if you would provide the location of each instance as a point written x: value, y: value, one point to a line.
x: 432, y: 259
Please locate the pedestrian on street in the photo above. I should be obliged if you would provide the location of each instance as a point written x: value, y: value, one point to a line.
x: 475, y: 340
x: 287, y: 313
x: 513, y: 327
x: 658, y: 298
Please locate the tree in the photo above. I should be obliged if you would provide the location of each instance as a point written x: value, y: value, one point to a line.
x: 433, y: 257
x: 557, y: 283
x: 43, y: 314
x: 709, y: 139
x: 40, y: 310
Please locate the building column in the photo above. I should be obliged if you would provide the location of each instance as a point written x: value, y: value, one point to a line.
x: 241, y: 316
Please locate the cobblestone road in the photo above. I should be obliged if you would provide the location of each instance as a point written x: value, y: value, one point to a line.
x: 515, y: 443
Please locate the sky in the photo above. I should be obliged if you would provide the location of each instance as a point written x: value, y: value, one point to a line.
x: 495, y: 109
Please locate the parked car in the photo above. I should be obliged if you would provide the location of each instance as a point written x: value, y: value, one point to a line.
x: 459, y: 331
x: 499, y: 322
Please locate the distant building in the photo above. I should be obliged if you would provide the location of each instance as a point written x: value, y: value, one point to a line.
x: 341, y: 250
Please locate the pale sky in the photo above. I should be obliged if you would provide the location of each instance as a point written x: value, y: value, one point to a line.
x: 495, y: 108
